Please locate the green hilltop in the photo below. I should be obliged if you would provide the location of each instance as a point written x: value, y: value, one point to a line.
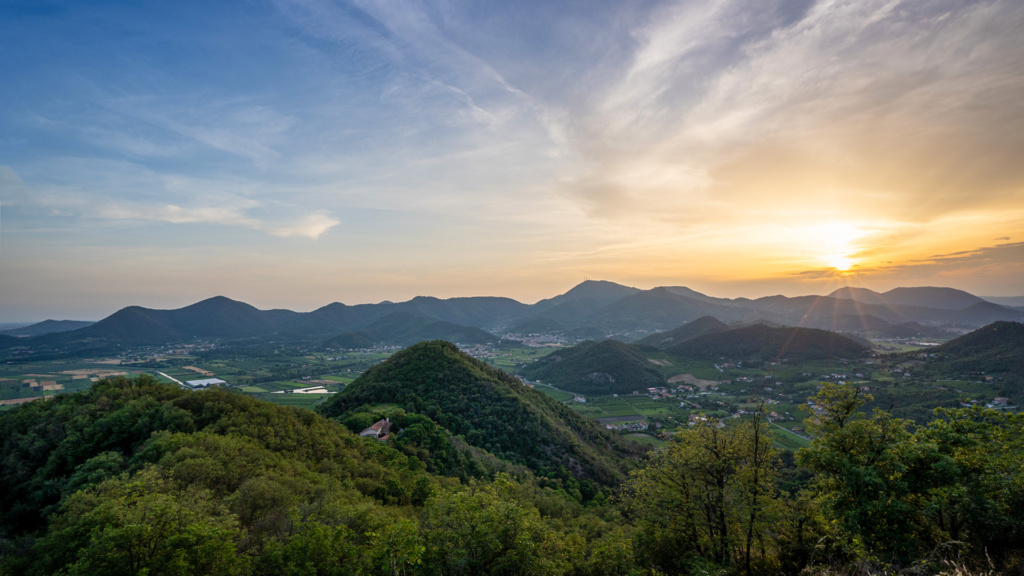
x: 605, y: 367
x: 995, y: 350
x: 490, y: 410
x: 699, y: 327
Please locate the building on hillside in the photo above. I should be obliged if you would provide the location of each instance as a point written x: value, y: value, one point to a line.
x: 380, y: 430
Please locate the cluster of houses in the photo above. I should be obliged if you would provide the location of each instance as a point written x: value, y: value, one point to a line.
x: 1000, y: 402
x: 659, y: 393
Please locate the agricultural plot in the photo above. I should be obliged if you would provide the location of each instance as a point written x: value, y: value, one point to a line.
x: 646, y: 439
x: 26, y: 382
x: 308, y: 401
x: 788, y: 440
x: 512, y: 359
x: 555, y: 394
x: 699, y: 369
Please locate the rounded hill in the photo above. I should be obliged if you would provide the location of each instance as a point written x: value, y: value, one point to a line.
x: 491, y: 410
x: 605, y: 367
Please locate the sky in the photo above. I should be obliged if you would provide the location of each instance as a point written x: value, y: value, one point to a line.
x: 293, y: 153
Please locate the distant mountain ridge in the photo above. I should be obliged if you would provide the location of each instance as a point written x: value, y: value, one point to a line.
x: 405, y: 328
x: 592, y: 309
x: 699, y: 327
x: 47, y: 327
x: 924, y: 296
x: 765, y: 343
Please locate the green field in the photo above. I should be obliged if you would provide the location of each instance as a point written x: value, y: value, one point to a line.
x: 555, y: 394
x: 646, y: 439
x: 788, y: 440
x: 297, y: 400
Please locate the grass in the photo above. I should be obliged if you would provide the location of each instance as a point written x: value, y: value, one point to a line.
x: 788, y: 440
x: 555, y: 394
x: 297, y: 400
x: 646, y: 439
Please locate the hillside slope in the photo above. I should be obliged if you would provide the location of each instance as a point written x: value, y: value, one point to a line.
x: 47, y: 327
x: 699, y: 327
x: 996, y: 349
x: 605, y: 367
x: 763, y: 343
x: 490, y: 409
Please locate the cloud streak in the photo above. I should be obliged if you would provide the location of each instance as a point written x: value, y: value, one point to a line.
x: 458, y: 144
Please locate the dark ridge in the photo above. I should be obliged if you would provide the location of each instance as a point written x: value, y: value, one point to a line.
x: 699, y: 327
x: 764, y: 343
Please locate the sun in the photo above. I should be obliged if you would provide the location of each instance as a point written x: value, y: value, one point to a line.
x: 840, y: 262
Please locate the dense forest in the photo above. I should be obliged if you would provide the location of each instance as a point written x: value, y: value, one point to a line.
x: 137, y: 477
x: 605, y: 367
x: 444, y: 389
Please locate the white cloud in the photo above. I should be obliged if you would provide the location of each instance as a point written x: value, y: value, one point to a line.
x: 853, y: 103
x: 310, y: 226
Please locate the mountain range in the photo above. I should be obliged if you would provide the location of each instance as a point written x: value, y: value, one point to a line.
x: 593, y: 309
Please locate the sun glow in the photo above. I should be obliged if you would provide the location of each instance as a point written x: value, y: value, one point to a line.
x: 840, y: 262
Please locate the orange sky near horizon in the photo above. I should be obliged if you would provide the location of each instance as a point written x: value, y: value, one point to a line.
x: 323, y: 150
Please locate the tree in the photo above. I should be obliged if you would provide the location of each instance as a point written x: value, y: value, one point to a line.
x: 484, y: 530
x: 896, y: 493
x: 711, y: 495
x: 144, y: 525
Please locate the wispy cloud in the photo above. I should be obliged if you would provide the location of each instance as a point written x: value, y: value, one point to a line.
x: 661, y: 140
x: 309, y: 225
x: 865, y: 107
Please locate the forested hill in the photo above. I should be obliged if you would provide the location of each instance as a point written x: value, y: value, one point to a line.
x: 996, y: 349
x: 699, y: 327
x: 491, y: 410
x: 135, y: 474
x: 137, y: 477
x: 605, y: 367
x: 763, y: 343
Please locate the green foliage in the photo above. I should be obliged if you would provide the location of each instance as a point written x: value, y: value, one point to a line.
x: 996, y: 349
x: 360, y: 421
x: 484, y: 530
x: 896, y: 494
x: 711, y: 496
x: 136, y: 477
x: 605, y: 367
x: 489, y: 409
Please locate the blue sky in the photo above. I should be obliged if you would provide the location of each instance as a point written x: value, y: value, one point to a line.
x: 295, y: 153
